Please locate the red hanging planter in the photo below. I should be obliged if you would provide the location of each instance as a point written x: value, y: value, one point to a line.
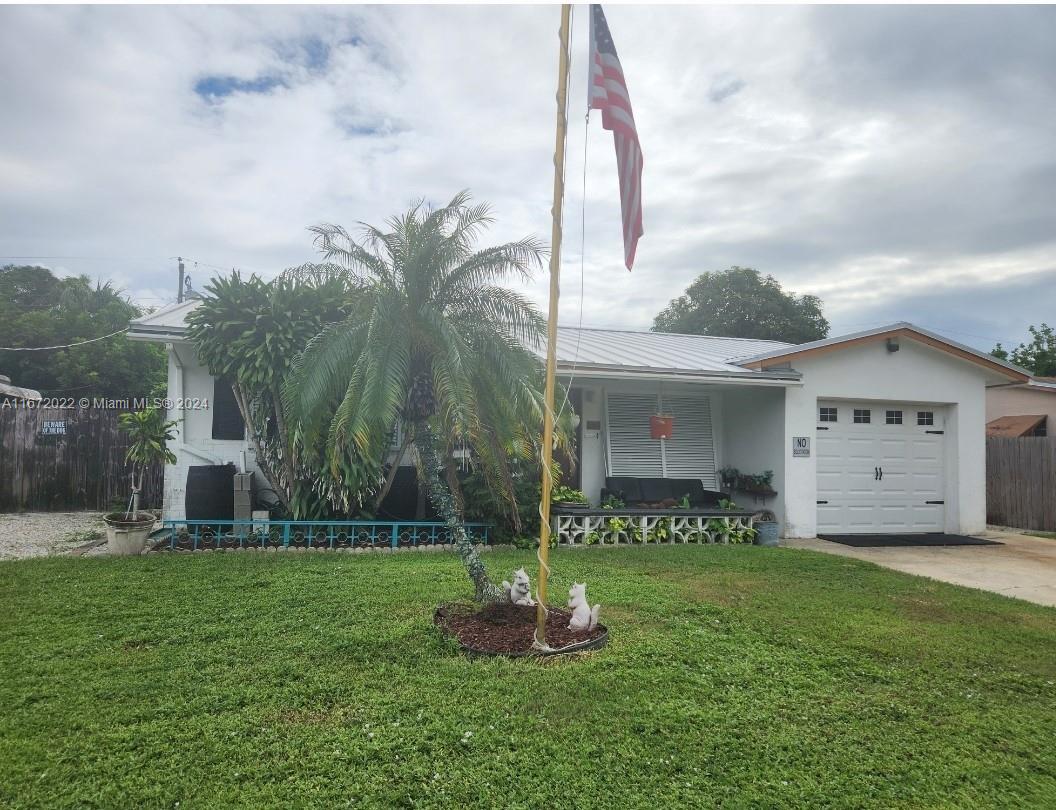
x: 661, y: 427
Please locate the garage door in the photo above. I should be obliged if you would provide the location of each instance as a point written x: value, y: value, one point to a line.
x: 880, y: 467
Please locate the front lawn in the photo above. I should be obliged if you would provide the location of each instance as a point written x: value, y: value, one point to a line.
x: 736, y: 676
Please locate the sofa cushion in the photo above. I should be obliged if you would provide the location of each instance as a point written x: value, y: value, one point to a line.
x: 655, y: 490
x: 711, y: 499
x: 626, y: 485
x: 688, y: 486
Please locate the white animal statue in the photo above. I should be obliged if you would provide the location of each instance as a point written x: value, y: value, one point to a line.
x: 520, y: 592
x: 584, y: 617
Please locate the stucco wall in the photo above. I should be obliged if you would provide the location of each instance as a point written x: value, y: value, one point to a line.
x: 914, y: 374
x: 196, y: 445
x: 753, y: 427
x: 1022, y: 401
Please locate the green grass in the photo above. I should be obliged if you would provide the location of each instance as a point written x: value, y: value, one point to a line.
x: 736, y: 676
x: 1046, y: 535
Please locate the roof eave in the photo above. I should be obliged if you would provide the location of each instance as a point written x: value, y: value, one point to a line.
x: 598, y: 371
x: 902, y: 329
x: 157, y: 334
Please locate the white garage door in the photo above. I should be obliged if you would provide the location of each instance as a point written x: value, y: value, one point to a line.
x: 880, y: 467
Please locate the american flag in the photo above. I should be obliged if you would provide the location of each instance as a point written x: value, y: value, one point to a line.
x: 608, y: 93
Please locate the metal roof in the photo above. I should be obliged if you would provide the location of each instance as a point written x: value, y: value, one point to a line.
x: 615, y: 349
x: 581, y: 349
x: 8, y: 391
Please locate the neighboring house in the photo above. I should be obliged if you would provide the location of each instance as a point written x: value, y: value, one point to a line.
x: 12, y: 393
x: 1022, y: 409
x: 878, y: 431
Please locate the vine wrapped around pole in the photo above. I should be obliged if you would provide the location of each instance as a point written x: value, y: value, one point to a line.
x: 551, y: 330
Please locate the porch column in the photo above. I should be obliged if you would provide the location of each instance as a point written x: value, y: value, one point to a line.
x: 801, y: 481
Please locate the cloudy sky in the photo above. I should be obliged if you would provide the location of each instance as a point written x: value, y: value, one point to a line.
x: 898, y: 162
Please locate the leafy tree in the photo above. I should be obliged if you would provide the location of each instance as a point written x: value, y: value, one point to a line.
x: 740, y: 302
x: 38, y: 309
x: 1038, y: 356
x: 250, y: 331
x: 434, y: 343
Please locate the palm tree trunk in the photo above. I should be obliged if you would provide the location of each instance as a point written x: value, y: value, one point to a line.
x: 451, y: 476
x: 440, y: 495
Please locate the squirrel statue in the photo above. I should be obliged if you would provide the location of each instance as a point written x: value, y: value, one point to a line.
x: 584, y: 617
x: 520, y: 592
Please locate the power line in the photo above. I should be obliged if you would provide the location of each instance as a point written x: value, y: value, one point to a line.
x: 91, y: 258
x: 67, y: 346
x: 201, y: 263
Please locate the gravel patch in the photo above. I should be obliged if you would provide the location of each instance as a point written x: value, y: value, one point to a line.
x: 44, y: 534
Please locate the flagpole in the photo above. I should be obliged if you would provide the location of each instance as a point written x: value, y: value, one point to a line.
x: 551, y: 324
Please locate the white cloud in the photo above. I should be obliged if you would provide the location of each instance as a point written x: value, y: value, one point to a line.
x: 799, y: 141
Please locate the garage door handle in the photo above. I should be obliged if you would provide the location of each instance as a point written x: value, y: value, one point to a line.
x: 821, y: 502
x: 881, y: 473
x: 934, y: 502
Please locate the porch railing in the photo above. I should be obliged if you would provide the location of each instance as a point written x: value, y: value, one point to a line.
x: 195, y: 535
x: 585, y: 527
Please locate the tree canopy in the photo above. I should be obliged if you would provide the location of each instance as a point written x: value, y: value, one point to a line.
x: 1037, y: 356
x: 39, y: 309
x: 740, y: 302
x: 249, y: 331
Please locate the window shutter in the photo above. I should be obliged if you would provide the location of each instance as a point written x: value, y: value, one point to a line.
x: 227, y: 418
x: 690, y: 452
x: 632, y: 450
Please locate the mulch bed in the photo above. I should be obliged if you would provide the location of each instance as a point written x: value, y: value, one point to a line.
x: 506, y: 629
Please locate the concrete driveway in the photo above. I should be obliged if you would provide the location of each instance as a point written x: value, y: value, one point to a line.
x: 1024, y: 567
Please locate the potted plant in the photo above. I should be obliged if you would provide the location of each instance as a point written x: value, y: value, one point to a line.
x: 767, y: 528
x: 569, y: 498
x: 729, y: 476
x: 126, y: 532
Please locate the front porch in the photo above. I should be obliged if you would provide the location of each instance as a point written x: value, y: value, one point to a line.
x: 715, y: 425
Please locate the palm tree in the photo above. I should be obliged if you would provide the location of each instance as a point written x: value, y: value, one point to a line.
x: 435, y: 344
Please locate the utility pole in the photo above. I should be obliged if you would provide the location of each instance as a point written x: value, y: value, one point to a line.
x: 179, y: 290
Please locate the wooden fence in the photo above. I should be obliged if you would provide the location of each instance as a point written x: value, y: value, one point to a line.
x: 53, y: 459
x: 1021, y: 483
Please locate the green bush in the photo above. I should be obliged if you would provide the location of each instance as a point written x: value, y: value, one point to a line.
x: 514, y: 523
x: 567, y: 495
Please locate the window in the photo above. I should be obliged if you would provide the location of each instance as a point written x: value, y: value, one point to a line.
x: 862, y: 416
x: 925, y: 417
x: 227, y: 418
x: 894, y: 417
x: 689, y: 453
x: 827, y: 415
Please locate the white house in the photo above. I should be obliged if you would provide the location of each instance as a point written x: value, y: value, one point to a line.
x: 878, y: 431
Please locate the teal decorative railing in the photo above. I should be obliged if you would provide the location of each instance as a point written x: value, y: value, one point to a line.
x: 196, y: 535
